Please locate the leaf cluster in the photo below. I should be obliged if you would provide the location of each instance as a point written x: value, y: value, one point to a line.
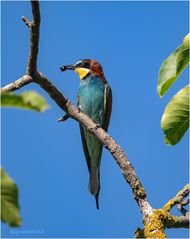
x: 175, y: 119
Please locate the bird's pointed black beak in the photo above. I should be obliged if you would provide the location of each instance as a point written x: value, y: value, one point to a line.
x: 68, y: 67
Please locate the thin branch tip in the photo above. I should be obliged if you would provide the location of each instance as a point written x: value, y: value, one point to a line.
x: 185, y: 202
x: 64, y: 118
x: 16, y: 85
x: 26, y: 21
x: 178, y: 198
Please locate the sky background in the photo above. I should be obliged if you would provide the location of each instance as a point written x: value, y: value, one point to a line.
x: 46, y: 160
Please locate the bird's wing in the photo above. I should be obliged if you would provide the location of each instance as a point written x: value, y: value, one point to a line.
x: 107, y: 105
x: 84, y: 142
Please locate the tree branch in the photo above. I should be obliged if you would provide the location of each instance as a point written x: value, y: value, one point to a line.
x: 64, y: 118
x: 34, y: 38
x: 154, y: 220
x: 26, y: 21
x: 180, y: 207
x: 177, y: 222
x: 16, y: 85
x: 177, y: 199
x: 185, y: 202
x: 173, y: 221
x: 116, y: 151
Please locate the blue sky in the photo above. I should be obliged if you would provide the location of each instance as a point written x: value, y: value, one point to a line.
x: 130, y: 40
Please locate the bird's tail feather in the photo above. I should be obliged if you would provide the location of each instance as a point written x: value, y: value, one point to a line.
x: 94, y: 183
x: 97, y: 201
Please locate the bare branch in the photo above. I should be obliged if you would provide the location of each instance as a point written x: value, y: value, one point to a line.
x: 64, y: 118
x: 36, y: 13
x: 185, y: 202
x: 116, y: 151
x: 26, y: 21
x: 183, y: 211
x: 34, y: 39
x: 24, y: 80
x: 177, y: 222
x: 178, y: 198
x: 173, y: 221
x: 180, y: 207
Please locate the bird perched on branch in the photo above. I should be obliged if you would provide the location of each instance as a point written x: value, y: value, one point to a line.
x: 95, y: 100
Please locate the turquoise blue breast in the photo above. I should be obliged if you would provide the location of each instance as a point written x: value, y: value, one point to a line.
x: 91, y: 98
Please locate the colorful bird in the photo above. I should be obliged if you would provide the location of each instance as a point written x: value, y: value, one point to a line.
x: 95, y: 100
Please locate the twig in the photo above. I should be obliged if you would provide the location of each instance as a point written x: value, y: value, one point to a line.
x: 177, y: 222
x: 185, y: 202
x: 24, y: 80
x: 183, y: 211
x: 178, y: 198
x: 34, y: 39
x: 180, y: 207
x: 26, y: 21
x: 64, y: 118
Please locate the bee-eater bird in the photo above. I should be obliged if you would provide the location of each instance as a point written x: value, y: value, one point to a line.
x: 95, y: 100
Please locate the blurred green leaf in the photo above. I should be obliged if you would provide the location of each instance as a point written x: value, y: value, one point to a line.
x: 9, y: 201
x: 186, y: 40
x: 28, y: 100
x: 175, y: 120
x: 172, y: 67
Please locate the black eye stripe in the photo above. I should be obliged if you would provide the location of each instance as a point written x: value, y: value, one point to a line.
x: 86, y: 65
x: 83, y: 64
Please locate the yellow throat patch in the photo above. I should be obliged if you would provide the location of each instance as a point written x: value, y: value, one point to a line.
x: 82, y: 72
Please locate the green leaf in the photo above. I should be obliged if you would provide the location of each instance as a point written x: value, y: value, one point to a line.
x: 28, y: 100
x: 9, y: 201
x: 172, y: 67
x: 175, y: 120
x: 186, y: 40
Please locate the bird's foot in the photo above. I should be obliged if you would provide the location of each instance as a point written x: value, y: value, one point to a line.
x: 79, y: 109
x: 91, y: 128
x: 97, y: 126
x: 63, y: 118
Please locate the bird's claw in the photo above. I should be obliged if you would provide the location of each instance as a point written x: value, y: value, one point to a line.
x: 91, y: 128
x: 79, y: 109
x: 97, y: 126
